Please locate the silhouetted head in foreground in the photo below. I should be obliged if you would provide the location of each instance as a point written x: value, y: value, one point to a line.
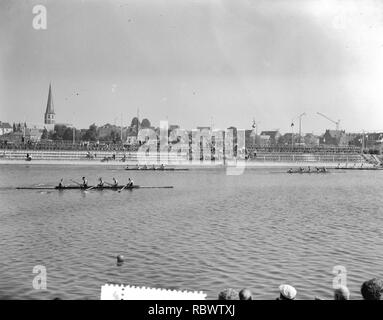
x: 372, y: 289
x: 245, y: 294
x: 342, y: 293
x: 228, y: 294
x: 287, y: 292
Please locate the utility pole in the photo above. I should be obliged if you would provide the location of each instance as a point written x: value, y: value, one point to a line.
x: 74, y: 132
x: 121, y: 127
x: 300, y: 127
x: 138, y: 119
x: 292, y: 135
x: 255, y: 126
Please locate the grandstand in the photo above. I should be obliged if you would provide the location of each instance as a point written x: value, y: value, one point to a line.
x: 107, y: 151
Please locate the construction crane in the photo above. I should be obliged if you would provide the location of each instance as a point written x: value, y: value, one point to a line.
x: 300, y: 125
x: 337, y: 123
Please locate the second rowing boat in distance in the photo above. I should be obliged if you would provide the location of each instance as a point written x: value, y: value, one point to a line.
x: 156, y: 169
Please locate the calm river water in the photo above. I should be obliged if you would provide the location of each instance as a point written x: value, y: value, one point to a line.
x: 210, y: 232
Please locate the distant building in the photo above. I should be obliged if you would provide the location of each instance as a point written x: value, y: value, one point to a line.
x: 286, y: 139
x: 106, y: 130
x: 173, y: 127
x: 264, y: 140
x: 49, y: 116
x: 131, y: 138
x: 250, y: 138
x: 13, y: 137
x: 5, y: 128
x: 311, y: 140
x: 373, y: 140
x: 32, y: 134
x: 354, y: 139
x: 203, y: 128
x: 273, y: 135
x: 334, y: 138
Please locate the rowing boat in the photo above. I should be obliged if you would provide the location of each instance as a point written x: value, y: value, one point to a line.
x: 94, y: 188
x: 356, y: 168
x: 156, y: 169
x: 301, y: 172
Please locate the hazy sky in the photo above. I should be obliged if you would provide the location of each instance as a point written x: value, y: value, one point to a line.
x: 194, y: 61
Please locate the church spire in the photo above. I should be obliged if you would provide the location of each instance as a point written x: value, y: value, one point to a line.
x: 49, y: 117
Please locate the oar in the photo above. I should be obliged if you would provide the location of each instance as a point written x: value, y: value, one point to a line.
x: 123, y: 188
x: 154, y: 187
x: 90, y: 188
x: 76, y: 182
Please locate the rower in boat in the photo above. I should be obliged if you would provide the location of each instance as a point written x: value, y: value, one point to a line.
x: 130, y: 183
x: 61, y: 185
x: 309, y: 169
x: 301, y: 169
x: 115, y: 183
x: 101, y: 183
x: 84, y: 182
x: 162, y: 167
x: 324, y: 169
x: 290, y: 170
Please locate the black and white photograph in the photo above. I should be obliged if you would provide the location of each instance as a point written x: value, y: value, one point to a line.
x: 198, y: 150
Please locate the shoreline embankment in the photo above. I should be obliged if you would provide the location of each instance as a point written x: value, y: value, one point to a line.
x: 123, y: 159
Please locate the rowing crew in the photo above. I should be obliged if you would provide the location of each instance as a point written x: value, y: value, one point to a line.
x: 145, y: 167
x: 101, y: 183
x: 301, y: 170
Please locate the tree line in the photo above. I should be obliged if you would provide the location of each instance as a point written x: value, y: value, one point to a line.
x: 108, y: 132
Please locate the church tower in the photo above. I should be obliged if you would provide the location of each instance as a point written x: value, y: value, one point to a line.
x: 49, y: 117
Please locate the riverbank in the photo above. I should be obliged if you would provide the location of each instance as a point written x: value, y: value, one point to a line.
x: 185, y: 164
x: 122, y: 159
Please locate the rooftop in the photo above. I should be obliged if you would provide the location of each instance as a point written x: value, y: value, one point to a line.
x: 5, y: 125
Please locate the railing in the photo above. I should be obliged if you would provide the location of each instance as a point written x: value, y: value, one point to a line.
x: 170, y: 157
x: 91, y: 156
x: 340, y: 158
x: 110, y: 146
x: 303, y: 149
x: 66, y: 146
